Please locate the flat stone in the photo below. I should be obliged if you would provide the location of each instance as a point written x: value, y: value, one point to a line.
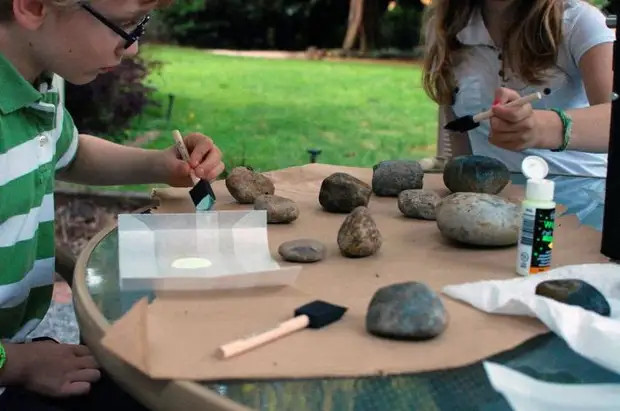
x: 303, y: 250
x: 575, y: 292
x: 406, y: 311
x: 358, y: 235
x: 476, y: 174
x: 341, y: 193
x: 478, y: 219
x: 245, y: 185
x: 280, y: 210
x: 418, y: 203
x: 391, y: 177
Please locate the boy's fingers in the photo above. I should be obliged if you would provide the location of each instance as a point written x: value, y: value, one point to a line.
x: 85, y: 362
x: 212, y: 175
x: 75, y: 388
x: 86, y: 375
x: 81, y: 350
x: 198, y: 146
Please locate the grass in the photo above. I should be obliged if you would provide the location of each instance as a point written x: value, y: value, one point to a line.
x: 268, y: 113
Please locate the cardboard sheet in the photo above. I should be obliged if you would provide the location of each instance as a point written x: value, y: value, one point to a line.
x: 177, y: 335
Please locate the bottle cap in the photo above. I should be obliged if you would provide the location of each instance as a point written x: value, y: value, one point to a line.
x: 537, y: 188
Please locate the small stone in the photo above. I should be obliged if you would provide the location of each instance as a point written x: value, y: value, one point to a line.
x: 476, y: 174
x: 280, y: 210
x: 575, y: 292
x: 478, y: 219
x: 391, y: 177
x: 406, y: 311
x: 359, y: 236
x: 341, y: 193
x: 245, y: 185
x: 303, y: 250
x: 418, y: 203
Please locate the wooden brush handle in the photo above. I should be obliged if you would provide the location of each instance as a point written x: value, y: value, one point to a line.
x: 245, y: 344
x: 182, y: 149
x: 485, y: 115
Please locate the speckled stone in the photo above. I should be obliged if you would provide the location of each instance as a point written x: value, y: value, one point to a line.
x: 476, y: 174
x: 418, y: 203
x: 303, y: 250
x: 280, y: 210
x: 358, y: 235
x: 342, y: 193
x: 245, y: 185
x: 575, y: 292
x: 391, y: 177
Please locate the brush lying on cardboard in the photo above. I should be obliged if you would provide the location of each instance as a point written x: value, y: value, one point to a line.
x: 466, y: 123
x: 202, y: 194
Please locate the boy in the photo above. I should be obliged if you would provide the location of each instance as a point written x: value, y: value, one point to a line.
x: 38, y: 141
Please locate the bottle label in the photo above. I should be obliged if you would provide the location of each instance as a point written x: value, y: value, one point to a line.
x: 536, y: 240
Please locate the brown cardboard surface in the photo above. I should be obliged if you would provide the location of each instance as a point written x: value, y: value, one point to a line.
x: 180, y: 333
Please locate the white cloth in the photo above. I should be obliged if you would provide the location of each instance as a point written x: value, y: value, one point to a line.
x: 477, y: 76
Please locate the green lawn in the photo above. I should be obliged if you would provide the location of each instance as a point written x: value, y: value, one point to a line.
x: 267, y: 113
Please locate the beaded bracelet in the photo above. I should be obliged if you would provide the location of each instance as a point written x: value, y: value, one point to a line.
x: 2, y: 356
x: 567, y: 129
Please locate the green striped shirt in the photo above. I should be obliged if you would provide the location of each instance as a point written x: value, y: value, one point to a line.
x: 37, y: 137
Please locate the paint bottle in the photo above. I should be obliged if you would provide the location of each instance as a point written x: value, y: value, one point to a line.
x: 537, y: 219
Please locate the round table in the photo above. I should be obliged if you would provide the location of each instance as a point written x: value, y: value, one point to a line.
x: 99, y: 301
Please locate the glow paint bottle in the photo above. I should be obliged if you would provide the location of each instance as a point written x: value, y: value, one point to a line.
x: 537, y: 219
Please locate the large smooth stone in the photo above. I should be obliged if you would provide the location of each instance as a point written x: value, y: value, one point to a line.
x: 280, y: 210
x: 358, y: 235
x: 418, y: 203
x: 406, y: 311
x: 575, y: 292
x: 478, y: 219
x: 245, y: 185
x: 303, y: 250
x: 476, y: 174
x: 391, y: 177
x: 341, y: 193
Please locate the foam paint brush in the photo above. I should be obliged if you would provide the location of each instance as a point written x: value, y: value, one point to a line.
x: 466, y: 123
x: 317, y: 314
x: 202, y: 193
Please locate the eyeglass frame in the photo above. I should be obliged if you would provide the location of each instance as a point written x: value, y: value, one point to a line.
x: 130, y: 38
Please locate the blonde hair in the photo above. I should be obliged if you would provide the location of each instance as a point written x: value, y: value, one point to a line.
x: 529, y: 51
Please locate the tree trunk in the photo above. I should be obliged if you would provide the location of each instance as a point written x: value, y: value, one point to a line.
x: 356, y: 14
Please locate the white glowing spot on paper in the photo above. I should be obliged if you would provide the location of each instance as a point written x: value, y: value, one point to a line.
x: 191, y: 263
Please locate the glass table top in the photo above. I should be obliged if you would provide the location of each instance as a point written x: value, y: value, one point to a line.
x: 544, y: 357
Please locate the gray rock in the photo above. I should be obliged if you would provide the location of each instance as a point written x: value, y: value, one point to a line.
x: 391, y: 177
x: 418, y: 203
x: 359, y: 236
x: 476, y: 174
x: 406, y: 311
x: 245, y: 185
x: 341, y: 193
x: 303, y: 250
x: 575, y: 292
x: 478, y: 219
x: 279, y: 209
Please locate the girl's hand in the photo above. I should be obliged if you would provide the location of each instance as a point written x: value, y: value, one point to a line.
x: 205, y: 161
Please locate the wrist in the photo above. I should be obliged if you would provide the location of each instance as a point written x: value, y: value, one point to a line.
x: 13, y: 371
x: 551, y: 130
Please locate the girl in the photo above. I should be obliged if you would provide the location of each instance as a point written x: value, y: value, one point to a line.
x: 485, y: 53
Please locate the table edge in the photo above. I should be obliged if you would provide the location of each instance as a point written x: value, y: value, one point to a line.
x: 155, y: 394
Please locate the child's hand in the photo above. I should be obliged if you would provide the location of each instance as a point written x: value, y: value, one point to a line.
x: 50, y: 369
x: 519, y: 128
x: 205, y: 161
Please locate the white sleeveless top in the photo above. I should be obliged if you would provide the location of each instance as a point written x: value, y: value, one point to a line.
x: 478, y: 75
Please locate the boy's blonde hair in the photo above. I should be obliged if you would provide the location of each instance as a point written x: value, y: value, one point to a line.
x: 530, y: 48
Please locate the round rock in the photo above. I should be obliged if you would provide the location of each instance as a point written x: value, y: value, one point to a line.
x: 476, y: 174
x: 406, y: 311
x: 478, y: 219
x: 358, y: 235
x: 391, y: 177
x: 280, y: 210
x: 418, y: 203
x: 245, y: 185
x: 575, y: 292
x: 303, y: 250
x: 341, y: 193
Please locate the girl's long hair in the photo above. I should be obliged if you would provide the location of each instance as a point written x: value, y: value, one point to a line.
x: 529, y: 49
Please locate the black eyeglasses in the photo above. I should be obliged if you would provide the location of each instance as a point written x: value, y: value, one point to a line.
x: 129, y: 38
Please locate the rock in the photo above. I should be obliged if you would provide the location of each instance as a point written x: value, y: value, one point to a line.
x: 304, y: 250
x: 418, y: 203
x: 478, y: 219
x: 391, y: 177
x: 406, y: 311
x: 358, y: 236
x: 341, y: 193
x: 575, y: 292
x: 476, y: 174
x: 279, y: 209
x: 245, y: 185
